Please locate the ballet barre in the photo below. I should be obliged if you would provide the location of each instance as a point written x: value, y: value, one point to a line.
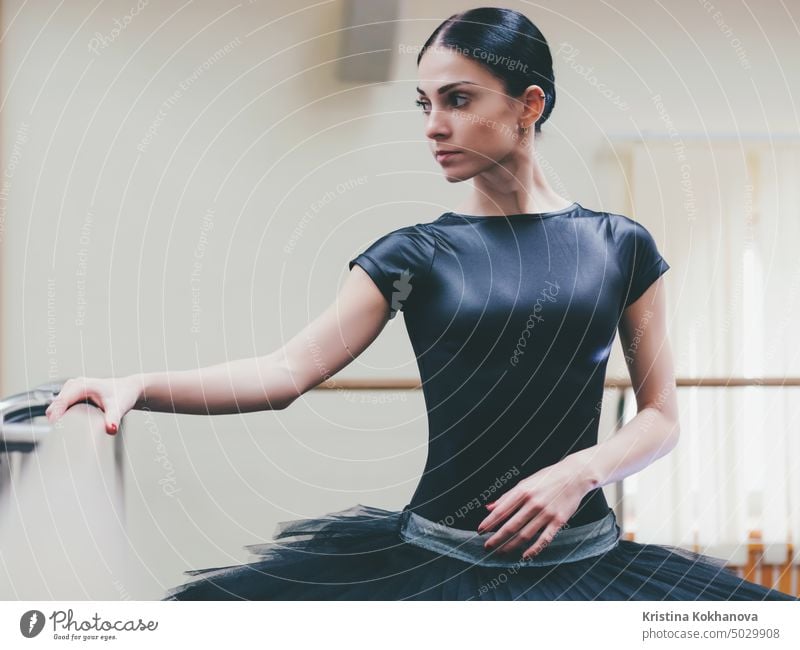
x: 62, y: 515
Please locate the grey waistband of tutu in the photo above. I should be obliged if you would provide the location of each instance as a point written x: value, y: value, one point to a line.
x: 569, y: 544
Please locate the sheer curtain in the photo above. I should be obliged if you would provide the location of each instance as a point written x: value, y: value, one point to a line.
x: 726, y: 216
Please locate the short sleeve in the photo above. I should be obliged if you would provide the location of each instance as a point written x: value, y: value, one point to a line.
x: 640, y: 260
x: 399, y: 263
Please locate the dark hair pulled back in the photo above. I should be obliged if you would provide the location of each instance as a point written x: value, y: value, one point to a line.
x: 507, y: 43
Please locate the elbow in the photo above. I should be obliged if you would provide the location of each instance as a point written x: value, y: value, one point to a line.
x: 279, y: 383
x: 667, y: 421
x: 667, y: 424
x: 287, y: 400
x: 280, y: 400
x: 274, y: 405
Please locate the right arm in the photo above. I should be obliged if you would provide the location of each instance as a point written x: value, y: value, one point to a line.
x: 270, y: 382
x: 273, y: 381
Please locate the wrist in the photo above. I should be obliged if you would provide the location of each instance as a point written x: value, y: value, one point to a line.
x: 585, y: 472
x: 142, y: 383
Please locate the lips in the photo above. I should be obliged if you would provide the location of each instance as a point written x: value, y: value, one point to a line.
x: 446, y: 154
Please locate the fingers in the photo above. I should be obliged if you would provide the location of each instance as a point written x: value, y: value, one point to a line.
x: 527, y: 532
x: 112, y: 417
x: 75, y: 390
x: 511, y: 539
x: 510, y: 528
x: 544, y: 539
x: 54, y: 411
x: 70, y: 393
x: 500, y: 509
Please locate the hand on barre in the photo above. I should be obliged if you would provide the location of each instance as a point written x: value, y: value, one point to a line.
x: 114, y: 396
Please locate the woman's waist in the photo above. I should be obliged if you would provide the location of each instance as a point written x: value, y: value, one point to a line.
x: 570, y: 544
x: 463, y: 504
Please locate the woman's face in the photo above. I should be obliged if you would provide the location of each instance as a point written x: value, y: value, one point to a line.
x: 472, y: 116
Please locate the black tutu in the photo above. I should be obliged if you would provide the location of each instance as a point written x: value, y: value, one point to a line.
x: 358, y: 554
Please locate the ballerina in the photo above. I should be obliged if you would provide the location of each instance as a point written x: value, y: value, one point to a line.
x: 512, y: 303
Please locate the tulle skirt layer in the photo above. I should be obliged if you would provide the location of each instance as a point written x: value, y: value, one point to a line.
x: 360, y: 554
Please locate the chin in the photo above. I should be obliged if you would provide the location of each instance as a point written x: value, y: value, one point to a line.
x: 457, y: 176
x: 450, y: 178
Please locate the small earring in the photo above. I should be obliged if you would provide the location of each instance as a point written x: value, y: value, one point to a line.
x: 523, y: 130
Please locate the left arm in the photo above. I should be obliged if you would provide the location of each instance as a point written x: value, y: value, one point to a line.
x: 548, y: 498
x: 654, y: 431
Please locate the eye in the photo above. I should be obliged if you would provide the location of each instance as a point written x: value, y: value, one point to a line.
x: 452, y: 99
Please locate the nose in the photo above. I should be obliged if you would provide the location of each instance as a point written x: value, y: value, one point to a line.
x: 438, y: 125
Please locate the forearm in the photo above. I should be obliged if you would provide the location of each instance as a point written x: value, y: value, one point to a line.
x: 648, y: 436
x: 240, y: 386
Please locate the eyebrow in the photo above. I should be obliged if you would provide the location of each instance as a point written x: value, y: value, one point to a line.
x: 447, y: 87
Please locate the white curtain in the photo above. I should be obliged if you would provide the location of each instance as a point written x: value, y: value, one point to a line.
x: 726, y: 216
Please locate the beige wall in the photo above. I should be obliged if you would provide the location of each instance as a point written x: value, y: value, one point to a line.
x: 242, y: 153
x: 113, y: 239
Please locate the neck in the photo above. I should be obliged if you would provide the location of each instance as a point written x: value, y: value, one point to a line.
x: 514, y: 185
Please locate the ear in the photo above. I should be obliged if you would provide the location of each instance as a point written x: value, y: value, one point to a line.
x: 533, y: 103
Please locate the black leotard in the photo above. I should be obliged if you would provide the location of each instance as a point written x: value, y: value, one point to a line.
x: 512, y: 319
